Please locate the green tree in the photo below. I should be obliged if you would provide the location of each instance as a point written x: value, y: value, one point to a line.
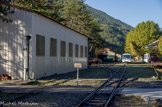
x: 5, y: 10
x: 77, y: 17
x: 128, y: 41
x: 134, y: 49
x: 160, y: 47
x: 143, y: 34
x: 72, y: 13
x: 75, y: 14
x: 50, y: 8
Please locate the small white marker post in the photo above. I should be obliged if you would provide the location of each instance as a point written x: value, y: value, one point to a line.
x: 77, y: 65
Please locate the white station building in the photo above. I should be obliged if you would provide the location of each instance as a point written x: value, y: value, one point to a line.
x: 54, y: 48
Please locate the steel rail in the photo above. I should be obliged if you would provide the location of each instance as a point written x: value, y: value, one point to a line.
x: 114, y: 91
x: 43, y: 87
x: 95, y: 91
x: 99, y: 88
x: 120, y: 88
x: 37, y: 89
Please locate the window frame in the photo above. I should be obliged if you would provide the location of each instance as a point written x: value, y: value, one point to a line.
x: 70, y: 49
x: 62, y: 48
x: 86, y: 52
x: 53, y: 46
x: 81, y: 51
x: 40, y: 51
x: 76, y: 50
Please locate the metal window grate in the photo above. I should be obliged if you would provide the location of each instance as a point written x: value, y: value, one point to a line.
x: 76, y: 50
x: 81, y: 51
x: 40, y: 45
x: 53, y: 47
x: 86, y: 51
x: 70, y: 50
x: 63, y: 49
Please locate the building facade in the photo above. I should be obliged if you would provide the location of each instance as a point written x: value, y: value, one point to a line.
x: 54, y: 48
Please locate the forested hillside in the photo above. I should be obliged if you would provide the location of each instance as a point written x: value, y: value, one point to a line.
x: 114, y: 31
x: 105, y: 31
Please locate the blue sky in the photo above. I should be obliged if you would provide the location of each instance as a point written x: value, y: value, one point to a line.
x: 131, y: 12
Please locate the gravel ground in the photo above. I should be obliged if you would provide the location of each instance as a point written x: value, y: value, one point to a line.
x: 145, y: 84
x: 72, y: 99
x: 147, y: 77
x: 133, y: 101
x: 48, y: 100
x: 91, y: 77
x: 140, y: 72
x: 92, y: 73
x: 84, y: 82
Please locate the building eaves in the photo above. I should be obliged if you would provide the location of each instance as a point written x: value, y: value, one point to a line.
x: 153, y: 44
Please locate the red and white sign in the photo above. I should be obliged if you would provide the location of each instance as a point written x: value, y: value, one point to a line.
x: 77, y: 65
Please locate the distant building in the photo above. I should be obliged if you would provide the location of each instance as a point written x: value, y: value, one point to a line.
x: 54, y: 48
x: 107, y: 51
x: 152, y: 45
x: 148, y: 57
x: 108, y: 56
x: 118, y: 57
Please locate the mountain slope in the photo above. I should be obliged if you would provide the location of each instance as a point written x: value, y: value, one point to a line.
x: 114, y: 30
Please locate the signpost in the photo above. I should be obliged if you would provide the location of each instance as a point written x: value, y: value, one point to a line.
x: 77, y: 65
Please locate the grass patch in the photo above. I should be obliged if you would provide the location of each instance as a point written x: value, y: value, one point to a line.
x: 1, y: 81
x: 159, y: 70
x: 140, y: 72
x: 148, y: 79
x: 93, y: 73
x: 135, y: 98
x: 138, y: 64
x: 84, y: 82
x: 97, y: 73
x: 135, y: 101
x: 41, y: 82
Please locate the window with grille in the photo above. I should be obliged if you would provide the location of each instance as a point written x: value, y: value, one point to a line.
x: 76, y: 50
x: 53, y: 47
x: 86, y: 51
x: 70, y: 50
x: 63, y: 49
x: 81, y: 51
x: 40, y: 45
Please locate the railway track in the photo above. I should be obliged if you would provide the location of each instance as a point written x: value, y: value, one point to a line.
x: 16, y: 98
x: 103, y: 95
